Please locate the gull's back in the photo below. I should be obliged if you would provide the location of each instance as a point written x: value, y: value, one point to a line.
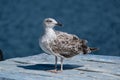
x: 68, y: 45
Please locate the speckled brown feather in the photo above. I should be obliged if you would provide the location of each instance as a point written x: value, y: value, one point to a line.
x: 67, y: 45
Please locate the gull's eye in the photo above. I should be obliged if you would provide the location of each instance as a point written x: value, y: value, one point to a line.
x: 48, y: 21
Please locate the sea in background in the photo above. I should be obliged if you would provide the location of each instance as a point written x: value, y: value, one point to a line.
x: 97, y: 21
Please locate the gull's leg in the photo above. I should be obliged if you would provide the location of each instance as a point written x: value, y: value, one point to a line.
x: 55, y: 70
x: 55, y: 63
x: 61, y: 64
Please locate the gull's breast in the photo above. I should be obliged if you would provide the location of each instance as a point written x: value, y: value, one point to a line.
x: 44, y: 44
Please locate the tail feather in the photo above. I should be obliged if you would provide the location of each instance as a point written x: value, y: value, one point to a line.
x: 94, y: 49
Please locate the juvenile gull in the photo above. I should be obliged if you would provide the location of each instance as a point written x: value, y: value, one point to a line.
x: 61, y: 44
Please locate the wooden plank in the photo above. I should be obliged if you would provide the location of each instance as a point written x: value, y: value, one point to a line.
x: 84, y: 67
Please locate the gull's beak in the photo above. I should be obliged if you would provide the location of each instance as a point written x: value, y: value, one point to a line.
x: 59, y: 24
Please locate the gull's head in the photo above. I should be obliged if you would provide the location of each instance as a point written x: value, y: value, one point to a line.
x: 50, y: 22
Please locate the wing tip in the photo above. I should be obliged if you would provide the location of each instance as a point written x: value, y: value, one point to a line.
x: 94, y: 49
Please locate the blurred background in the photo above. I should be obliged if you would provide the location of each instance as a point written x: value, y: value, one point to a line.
x: 97, y: 21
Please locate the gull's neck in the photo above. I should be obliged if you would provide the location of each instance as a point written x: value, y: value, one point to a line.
x: 47, y: 30
x: 50, y: 33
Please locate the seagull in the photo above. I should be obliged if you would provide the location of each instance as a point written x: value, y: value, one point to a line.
x: 61, y: 44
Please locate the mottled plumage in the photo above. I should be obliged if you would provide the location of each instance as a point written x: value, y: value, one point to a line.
x: 68, y: 45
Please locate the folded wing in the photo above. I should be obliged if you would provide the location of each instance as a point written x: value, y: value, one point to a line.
x: 68, y: 45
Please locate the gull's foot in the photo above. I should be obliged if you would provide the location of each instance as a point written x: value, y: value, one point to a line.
x: 60, y: 70
x: 55, y: 71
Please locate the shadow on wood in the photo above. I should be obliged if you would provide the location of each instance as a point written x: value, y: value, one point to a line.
x: 50, y: 66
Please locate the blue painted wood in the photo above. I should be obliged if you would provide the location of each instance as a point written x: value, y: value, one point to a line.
x: 81, y: 67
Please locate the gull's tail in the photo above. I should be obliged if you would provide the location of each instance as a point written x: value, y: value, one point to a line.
x: 87, y: 49
x: 94, y: 49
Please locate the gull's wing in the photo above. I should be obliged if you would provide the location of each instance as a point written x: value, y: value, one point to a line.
x: 68, y: 45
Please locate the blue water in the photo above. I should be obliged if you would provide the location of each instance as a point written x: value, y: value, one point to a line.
x: 98, y: 21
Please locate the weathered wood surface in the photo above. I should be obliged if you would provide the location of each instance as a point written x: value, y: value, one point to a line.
x: 81, y: 67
